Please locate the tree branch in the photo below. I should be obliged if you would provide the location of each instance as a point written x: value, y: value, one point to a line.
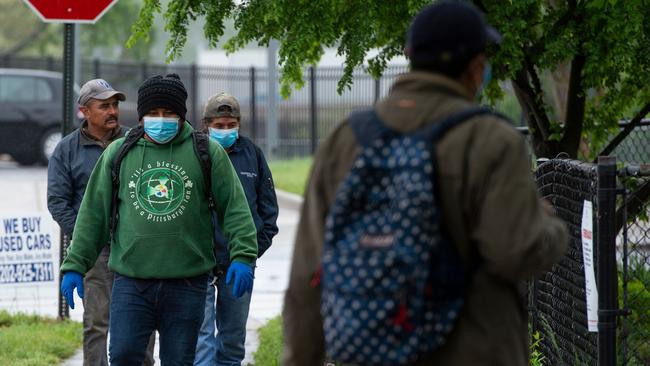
x: 529, y: 98
x: 559, y: 25
x: 575, y: 111
x: 626, y: 131
x: 530, y: 68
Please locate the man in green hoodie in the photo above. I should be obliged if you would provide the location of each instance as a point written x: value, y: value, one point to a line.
x: 162, y: 249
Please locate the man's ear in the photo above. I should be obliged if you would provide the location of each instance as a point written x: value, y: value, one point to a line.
x: 477, y: 66
x: 83, y: 109
x: 472, y: 77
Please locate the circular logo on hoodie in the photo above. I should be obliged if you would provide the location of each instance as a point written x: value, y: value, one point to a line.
x: 160, y: 191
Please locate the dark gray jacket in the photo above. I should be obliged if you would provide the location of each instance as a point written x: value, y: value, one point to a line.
x: 255, y: 177
x: 68, y: 172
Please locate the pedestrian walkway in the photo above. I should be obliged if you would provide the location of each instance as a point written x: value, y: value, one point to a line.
x: 25, y: 189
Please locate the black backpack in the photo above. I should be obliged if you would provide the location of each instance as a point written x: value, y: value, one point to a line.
x: 201, y: 149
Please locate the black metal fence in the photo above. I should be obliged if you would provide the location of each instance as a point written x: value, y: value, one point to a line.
x: 633, y: 257
x: 557, y: 298
x: 303, y: 119
x: 635, y: 149
x: 621, y: 260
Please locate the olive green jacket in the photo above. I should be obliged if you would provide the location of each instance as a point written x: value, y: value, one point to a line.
x: 490, y: 211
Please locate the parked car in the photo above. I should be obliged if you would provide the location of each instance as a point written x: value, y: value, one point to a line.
x: 31, y: 112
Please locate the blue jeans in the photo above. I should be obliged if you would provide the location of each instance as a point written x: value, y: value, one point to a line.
x: 138, y: 307
x: 229, y: 316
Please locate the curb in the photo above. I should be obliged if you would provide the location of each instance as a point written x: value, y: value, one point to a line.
x: 288, y: 200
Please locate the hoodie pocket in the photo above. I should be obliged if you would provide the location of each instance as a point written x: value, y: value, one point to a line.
x: 163, y: 256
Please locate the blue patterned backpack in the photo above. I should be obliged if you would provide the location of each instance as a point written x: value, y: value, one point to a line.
x: 392, y: 286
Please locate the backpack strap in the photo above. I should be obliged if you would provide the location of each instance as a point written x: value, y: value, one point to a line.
x: 130, y: 140
x: 202, y: 151
x: 367, y: 126
x: 438, y: 130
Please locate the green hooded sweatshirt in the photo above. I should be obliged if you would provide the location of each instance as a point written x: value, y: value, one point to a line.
x: 165, y: 228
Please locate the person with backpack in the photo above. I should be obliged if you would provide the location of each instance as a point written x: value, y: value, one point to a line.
x: 150, y: 197
x: 69, y: 168
x: 221, y: 121
x: 421, y: 219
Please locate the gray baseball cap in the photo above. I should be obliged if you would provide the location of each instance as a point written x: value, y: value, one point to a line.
x: 98, y: 89
x: 221, y: 105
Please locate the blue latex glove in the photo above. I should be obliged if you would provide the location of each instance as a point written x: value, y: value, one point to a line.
x: 243, y: 275
x: 70, y: 281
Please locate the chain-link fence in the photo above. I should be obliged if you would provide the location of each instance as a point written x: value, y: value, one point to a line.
x: 634, y: 149
x: 621, y: 262
x: 633, y: 257
x: 557, y: 298
x: 632, y: 230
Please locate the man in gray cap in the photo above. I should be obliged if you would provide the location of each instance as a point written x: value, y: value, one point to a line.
x: 69, y: 169
x: 221, y: 121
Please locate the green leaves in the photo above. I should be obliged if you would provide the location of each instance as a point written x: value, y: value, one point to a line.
x: 142, y: 26
x: 303, y: 28
x: 538, y: 35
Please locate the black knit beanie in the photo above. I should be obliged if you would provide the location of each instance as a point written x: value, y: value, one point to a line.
x: 162, y: 92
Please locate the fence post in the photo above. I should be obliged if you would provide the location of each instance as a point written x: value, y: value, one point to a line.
x: 194, y: 75
x: 607, y: 270
x: 312, y: 109
x: 50, y: 63
x: 64, y: 311
x: 377, y: 89
x: 143, y: 70
x: 96, y: 68
x: 252, y: 105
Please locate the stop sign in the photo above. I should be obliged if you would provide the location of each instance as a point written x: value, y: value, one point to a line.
x: 70, y: 11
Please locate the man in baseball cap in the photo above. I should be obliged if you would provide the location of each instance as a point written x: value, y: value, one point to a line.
x: 99, y: 103
x: 221, y: 120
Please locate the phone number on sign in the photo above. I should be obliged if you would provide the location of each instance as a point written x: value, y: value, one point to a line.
x: 26, y: 272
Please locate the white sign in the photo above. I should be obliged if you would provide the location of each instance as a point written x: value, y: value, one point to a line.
x: 29, y: 262
x: 591, y: 291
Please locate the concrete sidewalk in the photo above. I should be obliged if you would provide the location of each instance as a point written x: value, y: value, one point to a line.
x: 25, y: 189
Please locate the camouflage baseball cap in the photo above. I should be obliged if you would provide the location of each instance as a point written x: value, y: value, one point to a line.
x: 98, y: 89
x: 222, y: 105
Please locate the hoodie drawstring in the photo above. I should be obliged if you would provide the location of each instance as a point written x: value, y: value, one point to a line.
x: 144, y: 147
x: 171, y: 155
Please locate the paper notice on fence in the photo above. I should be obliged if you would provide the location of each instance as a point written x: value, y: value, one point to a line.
x: 588, y: 259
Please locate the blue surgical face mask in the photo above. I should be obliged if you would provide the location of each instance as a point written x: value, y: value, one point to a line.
x: 161, y: 129
x: 225, y: 137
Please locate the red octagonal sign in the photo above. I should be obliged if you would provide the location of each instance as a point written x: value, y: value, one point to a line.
x: 70, y: 11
